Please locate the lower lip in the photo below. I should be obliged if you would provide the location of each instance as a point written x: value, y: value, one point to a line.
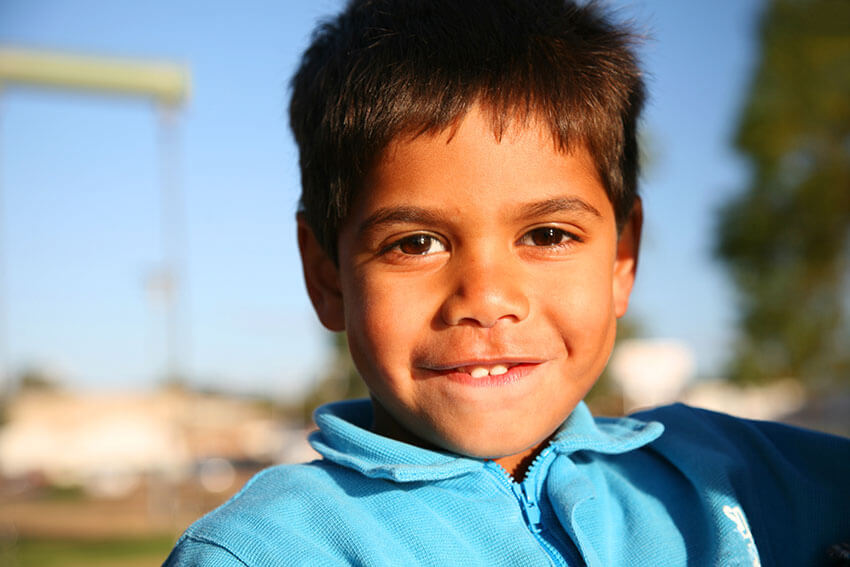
x: 514, y: 374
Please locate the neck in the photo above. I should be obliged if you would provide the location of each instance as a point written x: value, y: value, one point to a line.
x: 517, y: 465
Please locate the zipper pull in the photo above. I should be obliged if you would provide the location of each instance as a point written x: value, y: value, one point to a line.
x: 530, y: 509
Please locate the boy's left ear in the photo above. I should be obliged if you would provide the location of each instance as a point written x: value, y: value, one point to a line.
x: 625, y: 265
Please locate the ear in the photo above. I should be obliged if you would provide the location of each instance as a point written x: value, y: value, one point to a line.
x: 625, y: 265
x: 322, y: 278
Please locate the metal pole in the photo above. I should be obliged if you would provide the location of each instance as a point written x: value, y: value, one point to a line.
x: 6, y: 386
x: 172, y: 241
x: 165, y: 83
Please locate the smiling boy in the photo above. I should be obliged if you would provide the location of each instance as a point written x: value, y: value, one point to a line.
x: 479, y: 281
x: 470, y: 218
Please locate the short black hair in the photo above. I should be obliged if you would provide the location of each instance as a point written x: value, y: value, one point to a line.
x: 385, y: 68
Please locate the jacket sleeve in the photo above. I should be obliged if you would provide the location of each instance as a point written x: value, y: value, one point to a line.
x: 191, y: 552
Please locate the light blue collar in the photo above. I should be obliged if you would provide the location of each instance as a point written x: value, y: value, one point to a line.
x: 608, y: 435
x: 344, y: 438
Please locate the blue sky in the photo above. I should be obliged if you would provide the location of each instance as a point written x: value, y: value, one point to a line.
x: 81, y: 204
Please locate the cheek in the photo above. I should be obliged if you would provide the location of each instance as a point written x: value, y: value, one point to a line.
x: 585, y: 311
x: 383, y: 320
x: 594, y: 329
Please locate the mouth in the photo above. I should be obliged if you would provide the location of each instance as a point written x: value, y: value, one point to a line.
x: 486, y: 372
x: 482, y: 371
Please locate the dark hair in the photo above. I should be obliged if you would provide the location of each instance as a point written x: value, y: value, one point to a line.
x: 384, y: 68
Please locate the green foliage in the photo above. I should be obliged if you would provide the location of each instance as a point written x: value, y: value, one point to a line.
x: 34, y: 379
x: 786, y: 239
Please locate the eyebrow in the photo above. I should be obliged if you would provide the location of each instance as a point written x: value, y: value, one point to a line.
x: 399, y: 215
x: 419, y: 215
x: 558, y: 205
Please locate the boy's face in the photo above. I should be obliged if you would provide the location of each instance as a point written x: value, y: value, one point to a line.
x: 479, y: 282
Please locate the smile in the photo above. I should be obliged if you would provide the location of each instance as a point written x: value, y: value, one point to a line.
x: 486, y: 373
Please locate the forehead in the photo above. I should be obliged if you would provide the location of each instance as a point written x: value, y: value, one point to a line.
x: 470, y: 170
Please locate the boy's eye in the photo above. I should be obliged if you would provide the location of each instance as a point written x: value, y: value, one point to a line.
x: 419, y: 244
x: 546, y: 236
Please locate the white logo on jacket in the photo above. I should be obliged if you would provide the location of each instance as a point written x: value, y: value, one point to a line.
x: 737, y: 515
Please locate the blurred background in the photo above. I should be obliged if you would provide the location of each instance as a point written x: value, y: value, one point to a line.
x: 156, y: 343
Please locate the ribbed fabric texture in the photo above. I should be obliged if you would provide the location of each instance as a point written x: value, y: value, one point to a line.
x: 710, y: 490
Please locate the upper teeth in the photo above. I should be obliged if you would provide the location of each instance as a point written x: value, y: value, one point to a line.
x: 482, y: 371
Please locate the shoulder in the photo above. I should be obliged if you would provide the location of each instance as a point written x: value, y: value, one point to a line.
x: 706, y: 438
x: 282, y: 516
x: 689, y: 426
x: 791, y: 483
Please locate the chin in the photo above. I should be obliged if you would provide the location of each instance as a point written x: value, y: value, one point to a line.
x: 494, y: 443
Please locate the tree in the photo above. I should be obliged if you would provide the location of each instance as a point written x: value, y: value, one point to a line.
x: 786, y: 239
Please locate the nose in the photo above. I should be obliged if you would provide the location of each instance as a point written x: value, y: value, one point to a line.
x: 484, y: 292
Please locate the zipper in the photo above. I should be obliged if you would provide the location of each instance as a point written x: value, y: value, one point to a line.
x: 530, y: 509
x: 528, y: 503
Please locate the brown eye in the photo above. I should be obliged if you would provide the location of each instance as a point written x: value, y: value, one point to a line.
x: 420, y: 244
x: 546, y: 236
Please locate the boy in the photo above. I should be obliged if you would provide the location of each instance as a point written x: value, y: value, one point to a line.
x: 470, y: 218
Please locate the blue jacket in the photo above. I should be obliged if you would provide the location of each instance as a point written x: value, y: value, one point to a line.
x: 678, y: 486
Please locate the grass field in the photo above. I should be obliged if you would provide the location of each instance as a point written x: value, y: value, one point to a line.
x: 150, y: 551
x: 48, y: 527
x: 53, y: 528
